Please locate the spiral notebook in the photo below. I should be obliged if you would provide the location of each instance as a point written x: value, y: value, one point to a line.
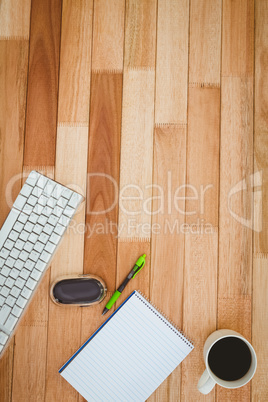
x: 129, y: 356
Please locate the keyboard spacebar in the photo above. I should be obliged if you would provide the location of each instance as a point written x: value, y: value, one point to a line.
x: 7, y: 226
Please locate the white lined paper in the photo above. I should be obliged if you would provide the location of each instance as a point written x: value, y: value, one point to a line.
x: 129, y: 357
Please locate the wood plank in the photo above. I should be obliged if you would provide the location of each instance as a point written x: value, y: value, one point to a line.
x: 108, y: 33
x: 238, y: 38
x: 166, y: 281
x: 64, y: 329
x: 75, y: 60
x: 140, y: 34
x: 15, y: 19
x: 40, y: 136
x: 203, y: 157
x: 30, y: 367
x: 260, y: 327
x: 102, y: 192
x: 136, y: 154
x: 13, y: 81
x: 235, y: 254
x: 205, y: 42
x: 260, y: 117
x: 172, y: 62
x: 200, y: 301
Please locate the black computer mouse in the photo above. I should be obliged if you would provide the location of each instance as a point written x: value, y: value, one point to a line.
x: 80, y: 290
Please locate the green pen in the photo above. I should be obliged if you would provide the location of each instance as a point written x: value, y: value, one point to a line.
x: 137, y: 267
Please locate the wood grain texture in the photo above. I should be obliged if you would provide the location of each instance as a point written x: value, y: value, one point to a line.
x: 203, y: 156
x: 205, y: 42
x: 166, y: 280
x: 140, y: 34
x: 260, y: 117
x: 235, y: 313
x: 64, y: 330
x: 236, y: 205
x: 40, y: 136
x: 13, y: 87
x: 29, y: 365
x: 108, y: 33
x: 13, y: 81
x: 103, y: 177
x: 260, y: 327
x: 75, y: 61
x: 200, y: 301
x: 15, y: 19
x: 172, y: 62
x: 136, y: 154
x: 238, y: 38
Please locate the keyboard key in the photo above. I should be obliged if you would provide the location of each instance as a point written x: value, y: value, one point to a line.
x: 42, y: 220
x: 28, y: 246
x: 5, y: 271
x: 9, y: 282
x: 75, y: 200
x: 52, y: 202
x: 4, y: 313
x: 31, y: 283
x: 34, y: 256
x: 14, y: 273
x: 49, y: 187
x: 25, y: 273
x: 3, y: 338
x: 67, y: 193
x: 41, y: 182
x: 19, y: 264
x: 27, y: 209
x: 24, y: 255
x: 29, y: 227
x: 22, y: 218
x: 39, y: 247
x: 4, y: 291
x: 8, y: 224
x: 14, y: 253
x: 32, y: 178
x: 50, y: 247
x: 33, y: 238
x: 36, y: 274
x: 37, y: 191
x: 32, y: 200
x: 43, y: 200
x: 10, y: 262
x: 16, y: 311
x: 54, y: 238
x: 18, y: 226
x: 19, y: 244
x: 15, y: 291
x: 43, y: 238
x: 21, y: 302
x: 29, y: 264
x: 10, y: 322
x: 4, y: 253
x: 62, y: 202
x: 48, y: 229
x: 20, y: 282
x: 45, y: 256
x: 2, y: 261
x: 13, y: 235
x: 59, y: 229
x: 69, y: 211
x: 57, y: 211
x: 53, y: 220
x: 10, y: 301
x: 20, y: 202
x: 24, y: 235
x: 64, y: 220
x: 2, y: 300
x: 26, y: 190
x: 26, y: 292
x: 47, y: 211
x: 38, y: 229
x: 9, y: 244
x: 2, y: 280
x: 40, y: 265
x: 33, y: 218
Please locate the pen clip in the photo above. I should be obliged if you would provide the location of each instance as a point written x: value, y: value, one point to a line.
x: 140, y: 268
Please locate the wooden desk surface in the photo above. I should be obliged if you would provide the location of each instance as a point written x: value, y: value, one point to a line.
x: 111, y: 97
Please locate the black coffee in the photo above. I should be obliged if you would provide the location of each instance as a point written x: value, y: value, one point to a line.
x: 229, y: 358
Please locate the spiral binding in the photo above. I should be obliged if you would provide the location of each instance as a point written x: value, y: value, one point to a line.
x: 184, y: 338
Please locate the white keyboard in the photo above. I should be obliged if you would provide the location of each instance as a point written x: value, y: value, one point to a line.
x: 28, y: 240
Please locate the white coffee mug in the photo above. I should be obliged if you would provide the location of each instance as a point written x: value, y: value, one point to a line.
x: 209, y: 379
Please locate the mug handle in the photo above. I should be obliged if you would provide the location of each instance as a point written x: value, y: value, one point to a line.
x: 206, y: 383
